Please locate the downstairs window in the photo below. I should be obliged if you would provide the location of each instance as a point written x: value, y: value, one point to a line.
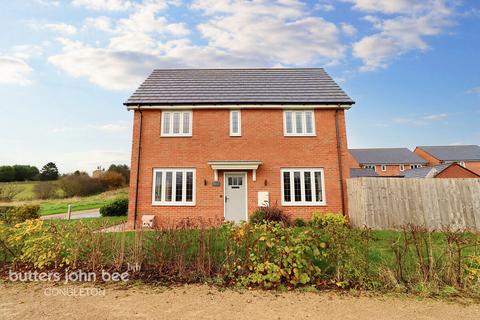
x: 173, y: 187
x: 303, y: 187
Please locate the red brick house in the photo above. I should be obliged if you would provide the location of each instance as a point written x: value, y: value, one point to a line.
x: 217, y: 143
x: 467, y: 156
x: 444, y: 170
x: 385, y: 162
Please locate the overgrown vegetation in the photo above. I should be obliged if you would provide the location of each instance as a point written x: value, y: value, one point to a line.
x: 265, y: 255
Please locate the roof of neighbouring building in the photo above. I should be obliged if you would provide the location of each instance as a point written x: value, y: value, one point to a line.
x: 431, y: 172
x: 239, y: 86
x: 386, y: 156
x: 357, y: 173
x: 453, y: 153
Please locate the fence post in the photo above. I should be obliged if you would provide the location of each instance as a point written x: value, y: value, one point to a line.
x: 69, y: 211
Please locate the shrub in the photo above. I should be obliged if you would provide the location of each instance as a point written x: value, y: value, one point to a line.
x: 26, y: 212
x: 8, y: 192
x: 322, y: 220
x: 80, y: 185
x: 118, y: 207
x: 7, y: 174
x: 299, y: 222
x: 46, y: 190
x: 123, y: 169
x: 270, y: 214
x: 269, y: 255
x: 112, y: 180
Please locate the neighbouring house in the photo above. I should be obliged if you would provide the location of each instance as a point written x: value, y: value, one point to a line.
x: 467, y: 156
x: 444, y: 170
x: 387, y: 162
x: 218, y: 143
x: 361, y: 172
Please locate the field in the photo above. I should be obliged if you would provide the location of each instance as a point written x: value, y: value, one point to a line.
x: 54, y: 206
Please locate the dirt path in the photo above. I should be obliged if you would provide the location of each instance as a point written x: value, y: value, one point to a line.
x: 90, y: 213
x: 18, y: 301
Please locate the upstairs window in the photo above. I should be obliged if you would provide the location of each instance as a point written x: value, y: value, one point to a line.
x: 415, y: 166
x: 402, y: 167
x: 303, y: 187
x: 299, y: 123
x: 177, y: 123
x: 370, y: 166
x: 173, y: 187
x: 384, y: 167
x: 235, y: 123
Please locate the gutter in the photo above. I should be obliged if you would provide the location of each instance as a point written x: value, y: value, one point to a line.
x: 340, y: 164
x: 138, y: 169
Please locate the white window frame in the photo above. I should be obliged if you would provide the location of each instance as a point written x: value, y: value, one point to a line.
x: 294, y: 124
x: 370, y: 166
x: 462, y: 163
x: 181, y: 127
x: 402, y: 167
x: 383, y: 167
x: 174, y: 189
x: 239, y: 133
x: 303, y: 203
x: 415, y: 166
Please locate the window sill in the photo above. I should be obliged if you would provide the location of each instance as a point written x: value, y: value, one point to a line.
x: 301, y: 204
x: 176, y: 135
x: 299, y: 135
x: 171, y: 204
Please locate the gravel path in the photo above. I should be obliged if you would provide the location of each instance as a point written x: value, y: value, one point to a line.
x: 28, y: 301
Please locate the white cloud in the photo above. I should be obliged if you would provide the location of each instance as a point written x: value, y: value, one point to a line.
x: 475, y: 90
x: 105, y: 5
x: 26, y: 51
x: 271, y: 34
x: 400, y: 34
x: 348, y: 29
x: 14, y: 71
x: 115, y: 127
x: 327, y: 7
x: 280, y: 32
x: 422, y: 120
x: 60, y: 27
x: 54, y: 3
x: 386, y: 6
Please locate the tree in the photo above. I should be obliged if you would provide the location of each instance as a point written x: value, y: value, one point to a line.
x: 49, y: 172
x: 123, y: 169
x: 23, y: 173
x: 7, y: 174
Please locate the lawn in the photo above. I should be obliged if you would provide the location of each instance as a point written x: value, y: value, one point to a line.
x: 96, y: 223
x: 55, y: 206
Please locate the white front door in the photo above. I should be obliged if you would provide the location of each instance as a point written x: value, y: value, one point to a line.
x: 235, y: 196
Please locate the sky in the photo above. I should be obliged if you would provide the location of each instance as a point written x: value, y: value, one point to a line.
x: 66, y: 66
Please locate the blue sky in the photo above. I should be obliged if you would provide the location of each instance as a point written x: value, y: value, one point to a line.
x: 67, y: 66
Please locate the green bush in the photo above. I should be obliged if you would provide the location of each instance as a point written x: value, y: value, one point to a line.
x: 270, y: 214
x: 269, y: 255
x: 299, y: 222
x: 23, y: 213
x: 322, y: 220
x: 118, y: 207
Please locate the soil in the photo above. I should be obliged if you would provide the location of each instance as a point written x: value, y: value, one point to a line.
x: 39, y: 301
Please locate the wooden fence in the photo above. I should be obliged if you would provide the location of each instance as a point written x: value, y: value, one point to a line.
x: 386, y: 203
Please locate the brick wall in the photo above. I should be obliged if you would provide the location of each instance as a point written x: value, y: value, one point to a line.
x: 262, y: 139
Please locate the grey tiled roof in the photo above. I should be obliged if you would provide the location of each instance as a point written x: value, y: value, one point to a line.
x: 386, y: 156
x: 453, y: 153
x: 238, y: 86
x: 425, y: 171
x: 356, y: 173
